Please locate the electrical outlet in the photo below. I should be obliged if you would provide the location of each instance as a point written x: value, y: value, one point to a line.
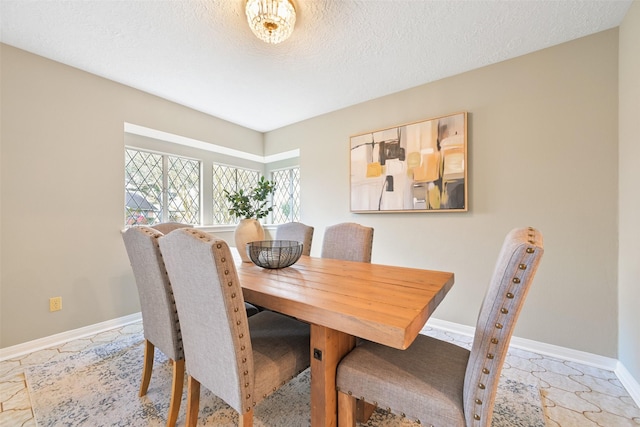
x: 55, y: 303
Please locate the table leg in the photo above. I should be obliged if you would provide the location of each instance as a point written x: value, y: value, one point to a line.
x: 328, y: 346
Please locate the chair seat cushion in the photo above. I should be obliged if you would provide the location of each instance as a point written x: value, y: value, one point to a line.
x: 394, y: 379
x: 281, y: 348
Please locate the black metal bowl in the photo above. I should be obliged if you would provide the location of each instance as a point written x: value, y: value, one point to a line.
x: 274, y: 253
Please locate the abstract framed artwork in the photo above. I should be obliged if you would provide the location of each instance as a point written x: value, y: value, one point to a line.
x: 415, y: 167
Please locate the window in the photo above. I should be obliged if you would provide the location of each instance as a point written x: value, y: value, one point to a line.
x: 161, y: 188
x: 286, y: 199
x: 232, y: 179
x: 164, y: 179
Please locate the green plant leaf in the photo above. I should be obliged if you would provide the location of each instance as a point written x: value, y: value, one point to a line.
x: 252, y: 204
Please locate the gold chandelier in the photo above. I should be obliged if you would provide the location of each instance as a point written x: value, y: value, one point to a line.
x: 271, y: 20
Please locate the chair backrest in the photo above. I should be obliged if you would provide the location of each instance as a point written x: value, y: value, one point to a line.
x: 159, y: 317
x: 168, y: 227
x: 215, y: 329
x: 348, y: 241
x: 296, y: 231
x: 512, y: 277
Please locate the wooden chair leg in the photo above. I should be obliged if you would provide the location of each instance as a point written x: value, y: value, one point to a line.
x: 147, y: 367
x: 346, y: 410
x: 364, y: 410
x: 193, y: 401
x: 176, y: 392
x: 246, y: 419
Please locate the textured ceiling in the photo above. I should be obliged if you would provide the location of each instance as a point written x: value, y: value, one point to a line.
x: 202, y: 54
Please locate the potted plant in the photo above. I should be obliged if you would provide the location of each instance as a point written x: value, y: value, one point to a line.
x: 250, y: 206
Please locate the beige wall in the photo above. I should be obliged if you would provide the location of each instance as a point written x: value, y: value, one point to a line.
x: 62, y: 201
x: 629, y: 203
x: 542, y: 152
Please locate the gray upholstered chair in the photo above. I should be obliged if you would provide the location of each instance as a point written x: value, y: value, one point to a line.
x: 437, y: 382
x: 238, y: 358
x: 168, y: 227
x: 298, y: 232
x: 348, y: 241
x: 159, y: 318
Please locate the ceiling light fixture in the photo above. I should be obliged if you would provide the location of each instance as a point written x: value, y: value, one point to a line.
x: 271, y: 20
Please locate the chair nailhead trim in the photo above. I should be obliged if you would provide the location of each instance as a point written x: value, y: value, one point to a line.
x: 505, y: 311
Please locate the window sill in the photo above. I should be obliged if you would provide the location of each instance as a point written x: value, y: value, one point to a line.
x: 228, y: 228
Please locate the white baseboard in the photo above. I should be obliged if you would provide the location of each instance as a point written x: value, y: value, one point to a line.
x: 625, y: 377
x: 630, y: 384
x: 63, y: 337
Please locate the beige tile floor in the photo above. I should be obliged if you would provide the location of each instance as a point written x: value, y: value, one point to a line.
x: 572, y: 394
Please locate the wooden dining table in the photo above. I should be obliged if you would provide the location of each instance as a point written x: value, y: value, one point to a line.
x: 342, y: 300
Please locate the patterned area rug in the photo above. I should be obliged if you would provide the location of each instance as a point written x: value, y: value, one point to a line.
x: 99, y: 387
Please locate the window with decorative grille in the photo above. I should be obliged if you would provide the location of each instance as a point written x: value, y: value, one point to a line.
x: 286, y: 199
x: 232, y: 179
x: 161, y: 188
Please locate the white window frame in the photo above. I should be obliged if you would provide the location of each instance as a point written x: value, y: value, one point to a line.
x: 164, y: 209
x: 292, y: 196
x: 235, y: 188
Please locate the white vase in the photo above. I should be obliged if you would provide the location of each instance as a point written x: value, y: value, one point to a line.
x: 248, y: 230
